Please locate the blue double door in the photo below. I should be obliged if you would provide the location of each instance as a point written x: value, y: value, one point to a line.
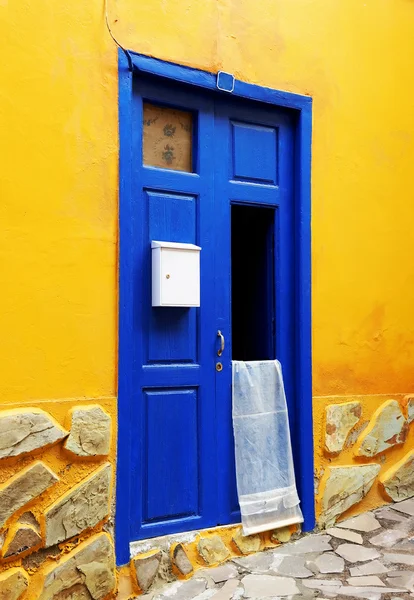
x: 200, y: 163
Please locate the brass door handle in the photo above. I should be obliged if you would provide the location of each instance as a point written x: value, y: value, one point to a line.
x: 221, y: 349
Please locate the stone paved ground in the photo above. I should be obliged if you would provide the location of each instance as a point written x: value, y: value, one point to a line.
x: 370, y: 556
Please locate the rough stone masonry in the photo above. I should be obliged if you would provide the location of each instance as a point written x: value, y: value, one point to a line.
x: 370, y: 556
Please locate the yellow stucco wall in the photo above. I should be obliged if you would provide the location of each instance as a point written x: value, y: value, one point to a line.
x: 59, y: 182
x: 59, y: 176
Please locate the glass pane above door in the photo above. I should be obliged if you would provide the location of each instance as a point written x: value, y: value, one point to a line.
x: 167, y: 138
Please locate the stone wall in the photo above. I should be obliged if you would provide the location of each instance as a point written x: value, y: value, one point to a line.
x: 364, y: 454
x: 160, y: 560
x: 56, y: 492
x: 57, y: 481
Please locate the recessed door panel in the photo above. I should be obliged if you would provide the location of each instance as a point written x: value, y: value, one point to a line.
x: 172, y: 332
x: 171, y: 459
x: 254, y: 152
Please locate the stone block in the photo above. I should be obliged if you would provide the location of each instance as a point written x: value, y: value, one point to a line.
x: 405, y: 506
x: 229, y: 591
x: 90, y: 431
x: 23, y: 487
x: 402, y: 579
x: 281, y: 535
x: 330, y: 563
x: 267, y: 586
x: 353, y: 553
x: 22, y: 538
x: 184, y: 590
x: 343, y: 534
x: 146, y: 569
x: 98, y: 578
x: 77, y: 592
x: 220, y: 573
x: 389, y: 514
x: 255, y: 563
x: 13, y: 583
x: 398, y: 481
x: 91, y: 567
x: 340, y: 420
x: 328, y: 587
x: 181, y: 561
x: 365, y: 523
x: 29, y: 519
x: 388, y: 428
x: 34, y: 560
x: 291, y: 566
x: 371, y: 580
x: 26, y: 430
x: 345, y: 487
x: 368, y: 592
x: 307, y: 545
x: 246, y: 544
x: 399, y: 559
x: 80, y: 508
x: 125, y: 586
x: 373, y: 567
x: 212, y: 550
x: 388, y: 538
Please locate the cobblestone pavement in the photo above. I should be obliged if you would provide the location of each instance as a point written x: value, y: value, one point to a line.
x: 370, y: 556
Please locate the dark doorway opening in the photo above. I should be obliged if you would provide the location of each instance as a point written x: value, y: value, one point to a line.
x: 253, y: 282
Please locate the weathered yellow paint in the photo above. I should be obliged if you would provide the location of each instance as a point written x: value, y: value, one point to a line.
x: 58, y: 248
x: 127, y: 587
x: 60, y: 185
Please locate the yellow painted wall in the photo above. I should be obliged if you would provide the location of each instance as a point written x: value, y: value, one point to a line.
x: 59, y: 181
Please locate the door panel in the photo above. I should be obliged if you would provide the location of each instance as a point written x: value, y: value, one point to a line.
x: 171, y: 458
x: 253, y: 166
x: 173, y: 416
x: 172, y: 335
x: 254, y: 152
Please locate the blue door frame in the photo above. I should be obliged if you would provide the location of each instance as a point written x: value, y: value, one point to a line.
x: 130, y: 65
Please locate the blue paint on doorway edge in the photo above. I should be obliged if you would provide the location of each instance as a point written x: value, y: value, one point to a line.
x: 303, y: 310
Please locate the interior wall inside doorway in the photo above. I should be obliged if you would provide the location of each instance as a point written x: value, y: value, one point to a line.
x: 253, y: 282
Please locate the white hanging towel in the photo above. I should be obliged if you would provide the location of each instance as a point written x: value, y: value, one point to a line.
x: 264, y: 465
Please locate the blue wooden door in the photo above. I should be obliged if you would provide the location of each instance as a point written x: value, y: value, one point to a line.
x: 182, y: 444
x: 254, y: 159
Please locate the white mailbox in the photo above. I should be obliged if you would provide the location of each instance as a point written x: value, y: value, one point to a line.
x: 175, y: 274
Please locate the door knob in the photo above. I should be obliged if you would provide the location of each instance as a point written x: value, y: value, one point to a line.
x: 221, y: 349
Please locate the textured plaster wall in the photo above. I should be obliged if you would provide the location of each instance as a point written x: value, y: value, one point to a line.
x: 59, y: 176
x: 58, y: 247
x: 355, y: 59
